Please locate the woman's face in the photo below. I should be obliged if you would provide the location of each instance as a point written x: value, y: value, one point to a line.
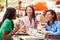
x: 49, y: 16
x: 29, y: 11
x: 14, y: 16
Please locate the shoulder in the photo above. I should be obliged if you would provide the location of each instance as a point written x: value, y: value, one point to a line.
x: 8, y: 21
x: 25, y: 17
x: 57, y: 22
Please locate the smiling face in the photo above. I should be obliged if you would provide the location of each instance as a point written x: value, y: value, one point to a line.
x: 29, y: 11
x: 49, y: 16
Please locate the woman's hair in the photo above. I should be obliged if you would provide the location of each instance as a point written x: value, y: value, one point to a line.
x: 53, y: 13
x: 33, y: 12
x: 10, y: 13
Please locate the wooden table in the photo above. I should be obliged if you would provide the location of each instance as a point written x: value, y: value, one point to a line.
x: 52, y: 36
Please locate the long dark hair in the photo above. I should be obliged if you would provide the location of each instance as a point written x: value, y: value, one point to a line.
x: 33, y: 12
x: 10, y: 13
x: 53, y: 13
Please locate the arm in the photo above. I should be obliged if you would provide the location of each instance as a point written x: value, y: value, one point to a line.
x: 22, y: 26
x: 46, y: 28
x: 58, y: 29
x: 5, y: 34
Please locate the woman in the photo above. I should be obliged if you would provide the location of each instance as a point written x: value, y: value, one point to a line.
x: 29, y: 19
x: 6, y: 27
x: 52, y: 25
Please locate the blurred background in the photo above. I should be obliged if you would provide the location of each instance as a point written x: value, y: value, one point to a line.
x: 20, y: 5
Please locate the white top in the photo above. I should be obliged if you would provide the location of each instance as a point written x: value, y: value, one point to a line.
x: 27, y: 22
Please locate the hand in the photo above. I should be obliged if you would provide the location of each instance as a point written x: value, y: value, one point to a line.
x: 17, y: 27
x: 24, y: 30
x: 4, y: 38
x: 17, y: 24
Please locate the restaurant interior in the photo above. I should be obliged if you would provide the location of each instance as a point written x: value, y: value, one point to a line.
x: 40, y: 7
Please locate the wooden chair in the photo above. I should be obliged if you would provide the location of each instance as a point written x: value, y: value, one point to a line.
x: 52, y: 36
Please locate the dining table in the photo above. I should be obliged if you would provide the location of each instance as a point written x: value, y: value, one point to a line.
x: 31, y: 34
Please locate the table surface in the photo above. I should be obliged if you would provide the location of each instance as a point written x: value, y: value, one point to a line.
x: 29, y: 36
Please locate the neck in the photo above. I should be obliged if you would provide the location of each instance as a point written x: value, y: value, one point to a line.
x: 51, y: 22
x: 30, y: 17
x: 11, y: 19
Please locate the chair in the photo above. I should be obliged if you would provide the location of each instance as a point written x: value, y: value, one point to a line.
x: 52, y: 36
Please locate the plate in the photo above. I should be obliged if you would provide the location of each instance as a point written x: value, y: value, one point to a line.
x: 21, y: 33
x: 45, y: 32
